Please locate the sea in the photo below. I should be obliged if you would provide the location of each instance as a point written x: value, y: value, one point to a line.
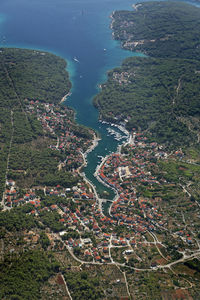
x: 79, y: 31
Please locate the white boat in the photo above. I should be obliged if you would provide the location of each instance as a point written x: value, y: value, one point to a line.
x: 75, y: 59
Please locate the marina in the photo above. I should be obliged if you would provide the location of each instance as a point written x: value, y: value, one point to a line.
x: 117, y: 136
x: 81, y: 45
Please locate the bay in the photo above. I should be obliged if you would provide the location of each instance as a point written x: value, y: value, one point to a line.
x: 71, y: 29
x: 77, y: 29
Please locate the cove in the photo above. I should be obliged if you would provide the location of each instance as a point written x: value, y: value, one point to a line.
x: 72, y: 29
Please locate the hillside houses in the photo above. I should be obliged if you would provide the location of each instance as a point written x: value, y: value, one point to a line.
x: 73, y: 216
x: 59, y: 123
x: 124, y: 172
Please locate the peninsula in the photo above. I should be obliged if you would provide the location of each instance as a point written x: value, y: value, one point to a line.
x: 158, y: 93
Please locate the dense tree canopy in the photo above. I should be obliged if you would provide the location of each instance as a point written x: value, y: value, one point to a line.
x: 158, y: 93
x: 22, y: 277
x: 30, y: 74
x: 160, y: 29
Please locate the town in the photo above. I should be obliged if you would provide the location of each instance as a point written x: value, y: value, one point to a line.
x: 137, y: 230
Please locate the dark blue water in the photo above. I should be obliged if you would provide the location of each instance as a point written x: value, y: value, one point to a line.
x: 71, y: 28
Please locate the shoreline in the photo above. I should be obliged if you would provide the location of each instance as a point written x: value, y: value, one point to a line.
x: 95, y: 142
x: 90, y: 149
x: 107, y: 185
x: 111, y: 16
x: 84, y: 164
x: 64, y: 98
x: 118, y: 150
x: 99, y: 201
x: 135, y: 6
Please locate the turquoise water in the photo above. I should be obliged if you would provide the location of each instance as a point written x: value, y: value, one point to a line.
x: 71, y: 28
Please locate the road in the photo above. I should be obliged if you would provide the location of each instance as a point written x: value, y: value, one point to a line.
x: 156, y: 242
x: 183, y: 259
x: 169, y: 265
x: 177, y: 91
x: 66, y: 287
x: 100, y: 263
x: 127, y: 287
x: 8, y: 160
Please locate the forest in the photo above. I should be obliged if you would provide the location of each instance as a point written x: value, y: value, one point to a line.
x: 27, y: 75
x: 153, y: 94
x: 22, y: 276
x: 157, y: 93
x: 26, y: 158
x: 40, y: 75
x: 160, y: 29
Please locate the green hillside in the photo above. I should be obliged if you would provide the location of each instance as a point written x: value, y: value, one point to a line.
x: 160, y: 29
x: 26, y: 75
x: 158, y: 93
